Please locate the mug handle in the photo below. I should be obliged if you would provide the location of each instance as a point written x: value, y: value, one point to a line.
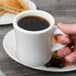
x: 56, y: 46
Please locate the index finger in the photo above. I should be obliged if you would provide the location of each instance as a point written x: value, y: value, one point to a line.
x: 67, y: 28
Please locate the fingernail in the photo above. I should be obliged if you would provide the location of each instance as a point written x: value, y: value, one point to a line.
x: 61, y: 24
x: 66, y: 41
x: 71, y: 57
x: 62, y: 39
x: 64, y: 51
x: 64, y: 25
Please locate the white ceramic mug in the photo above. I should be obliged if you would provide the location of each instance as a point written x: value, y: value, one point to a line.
x: 34, y: 48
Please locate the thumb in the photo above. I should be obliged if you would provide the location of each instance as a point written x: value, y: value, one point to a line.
x: 67, y: 28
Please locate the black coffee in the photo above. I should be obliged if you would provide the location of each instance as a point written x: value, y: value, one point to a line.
x: 33, y: 23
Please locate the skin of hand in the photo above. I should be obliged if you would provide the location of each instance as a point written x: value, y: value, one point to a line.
x: 69, y: 51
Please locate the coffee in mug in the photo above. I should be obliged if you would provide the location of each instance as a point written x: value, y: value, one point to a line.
x: 33, y: 23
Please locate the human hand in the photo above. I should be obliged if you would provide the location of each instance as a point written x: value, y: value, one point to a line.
x: 69, y: 52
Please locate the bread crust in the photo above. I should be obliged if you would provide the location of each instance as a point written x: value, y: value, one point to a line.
x: 13, y: 6
x: 23, y: 5
x: 2, y: 12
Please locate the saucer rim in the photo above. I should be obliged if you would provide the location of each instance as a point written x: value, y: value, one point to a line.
x: 42, y: 68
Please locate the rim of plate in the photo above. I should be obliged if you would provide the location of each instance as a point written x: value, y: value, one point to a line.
x: 29, y: 3
x: 42, y: 68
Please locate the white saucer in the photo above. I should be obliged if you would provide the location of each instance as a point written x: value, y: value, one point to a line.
x: 9, y: 45
x: 7, y: 18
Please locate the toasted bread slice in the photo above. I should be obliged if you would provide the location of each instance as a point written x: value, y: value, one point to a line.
x: 10, y: 10
x: 11, y: 5
x: 2, y: 12
x: 23, y: 4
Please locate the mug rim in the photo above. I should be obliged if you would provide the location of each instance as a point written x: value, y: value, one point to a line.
x: 16, y: 19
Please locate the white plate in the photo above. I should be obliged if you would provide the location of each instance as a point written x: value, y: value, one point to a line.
x: 7, y: 18
x: 9, y: 44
